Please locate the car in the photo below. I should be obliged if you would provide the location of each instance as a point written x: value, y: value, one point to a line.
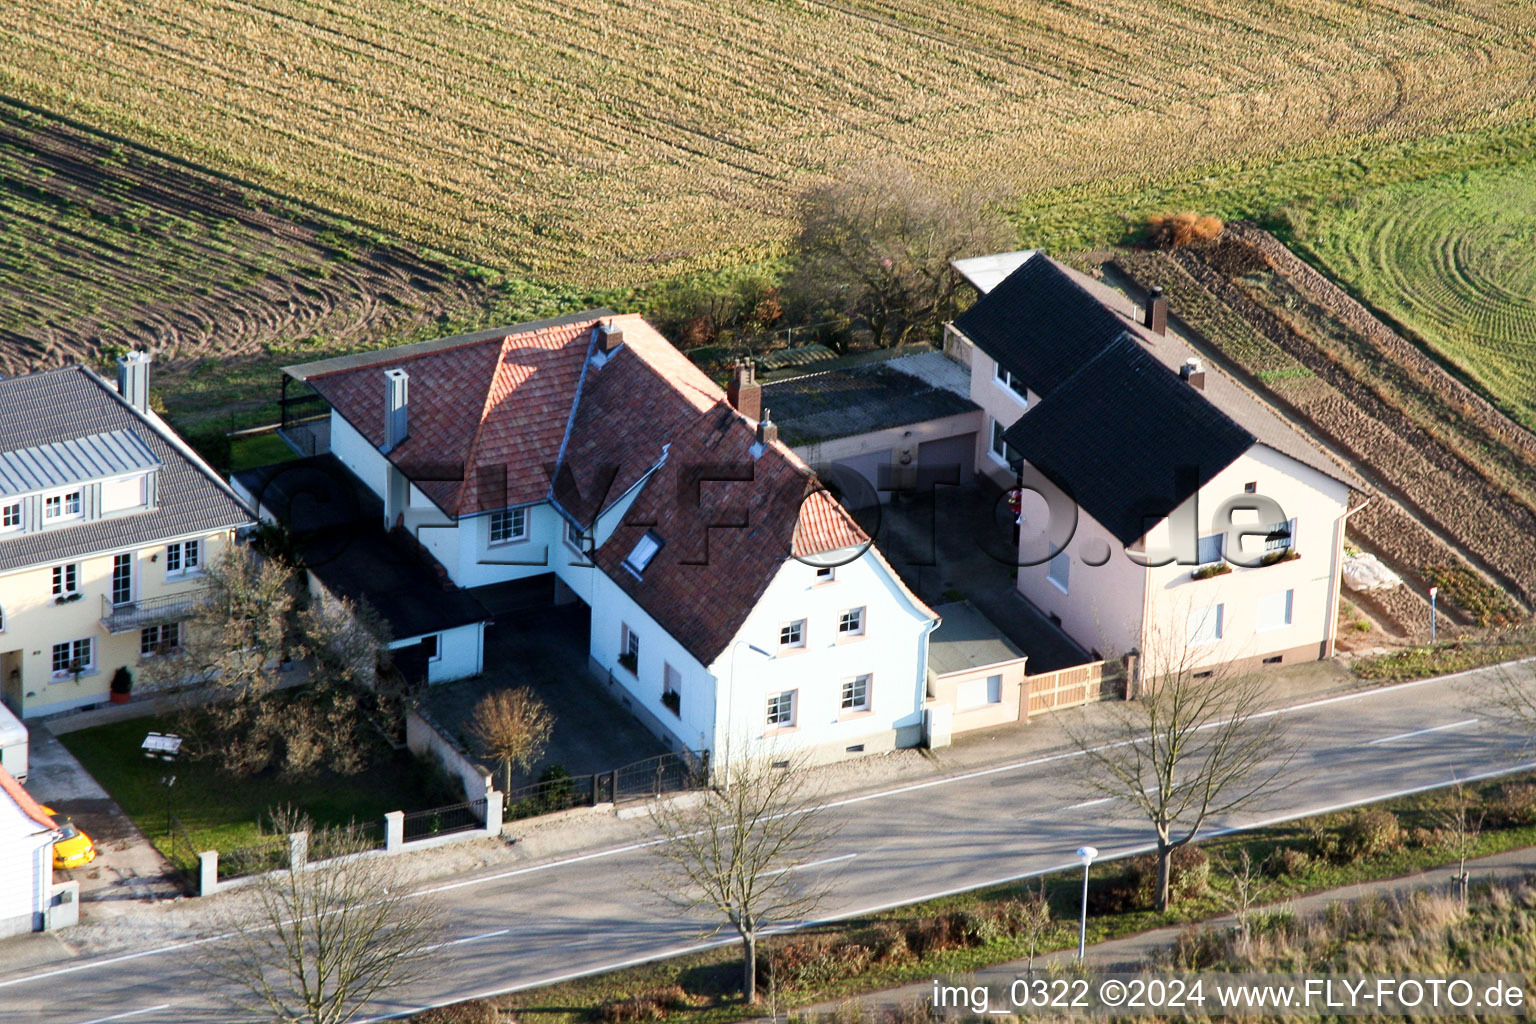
x: 73, y: 847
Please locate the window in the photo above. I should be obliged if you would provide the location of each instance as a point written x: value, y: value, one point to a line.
x: 629, y: 647
x: 1001, y: 449
x: 781, y: 709
x: 1251, y: 487
x: 122, y: 579
x: 856, y: 693
x: 432, y: 646
x: 509, y: 525
x: 975, y: 693
x: 1060, y: 572
x: 672, y: 689
x: 10, y: 517
x: 1011, y: 382
x: 1211, y: 549
x: 74, y: 656
x: 825, y: 574
x: 183, y: 557
x: 851, y: 622
x: 155, y: 641
x: 1281, y: 537
x: 1204, y: 625
x: 120, y: 495
x: 1275, y: 610
x: 65, y: 505
x: 66, y: 580
x: 645, y: 549
x: 792, y: 634
x: 2, y: 620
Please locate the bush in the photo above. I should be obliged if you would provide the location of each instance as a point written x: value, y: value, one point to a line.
x: 1287, y: 862
x: 1513, y: 805
x: 935, y: 934
x: 475, y: 1011
x: 1181, y: 229
x: 886, y: 942
x: 1369, y: 833
x: 812, y: 961
x: 1189, y: 874
x: 652, y: 1005
x: 1429, y: 838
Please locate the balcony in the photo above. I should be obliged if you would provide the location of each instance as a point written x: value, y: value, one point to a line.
x: 152, y: 611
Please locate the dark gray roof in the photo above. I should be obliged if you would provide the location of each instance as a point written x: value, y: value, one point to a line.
x: 858, y: 398
x: 69, y: 403
x: 337, y: 523
x: 967, y: 639
x: 1045, y: 320
x: 1128, y: 439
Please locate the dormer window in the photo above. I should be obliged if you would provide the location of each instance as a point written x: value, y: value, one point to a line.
x: 62, y: 505
x: 124, y: 493
x: 645, y: 549
x: 10, y: 517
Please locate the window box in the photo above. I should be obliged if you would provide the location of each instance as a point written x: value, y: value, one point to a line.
x: 1206, y: 572
x: 673, y: 702
x: 67, y: 598
x: 1275, y: 557
x: 629, y: 660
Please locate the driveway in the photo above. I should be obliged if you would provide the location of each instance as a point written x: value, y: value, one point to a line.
x: 127, y: 867
x: 546, y: 649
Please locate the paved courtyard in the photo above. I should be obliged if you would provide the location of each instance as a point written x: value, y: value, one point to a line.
x: 545, y: 648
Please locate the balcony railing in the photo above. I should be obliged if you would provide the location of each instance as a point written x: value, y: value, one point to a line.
x: 151, y: 611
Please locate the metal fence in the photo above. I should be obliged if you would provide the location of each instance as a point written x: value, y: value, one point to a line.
x: 183, y: 855
x: 652, y: 777
x: 442, y: 821
x: 655, y: 776
x: 339, y: 840
x: 255, y: 859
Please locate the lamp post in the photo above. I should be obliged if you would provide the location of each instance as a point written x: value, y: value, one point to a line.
x: 163, y: 747
x: 730, y: 699
x: 1433, y: 593
x: 1086, y: 855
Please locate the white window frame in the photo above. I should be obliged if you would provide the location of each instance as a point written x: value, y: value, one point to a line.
x: 1286, y: 600
x: 185, y: 565
x: 849, y: 691
x: 437, y: 644
x: 792, y: 626
x: 781, y: 709
x: 1285, y: 543
x: 851, y: 622
x: 1206, y: 631
x: 66, y: 579
x: 63, y: 498
x: 2, y: 618
x: 142, y: 500
x: 1221, y: 550
x: 112, y: 582
x: 9, y: 509
x: 644, y: 550
x: 996, y: 442
x: 1059, y: 571
x: 1010, y: 383
x: 72, y: 653
x: 155, y: 650
x: 826, y: 573
x: 511, y: 523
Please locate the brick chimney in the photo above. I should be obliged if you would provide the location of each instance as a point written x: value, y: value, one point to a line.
x: 767, y: 430
x: 609, y: 338
x: 1156, y: 313
x: 1194, y: 372
x: 744, y: 392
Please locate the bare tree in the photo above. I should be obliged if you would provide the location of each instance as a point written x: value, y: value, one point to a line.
x: 1195, y: 745
x: 730, y: 856
x: 875, y: 246
x: 1034, y: 919
x: 1510, y: 697
x: 1247, y: 888
x: 514, y: 727
x: 320, y: 943
x: 1460, y: 830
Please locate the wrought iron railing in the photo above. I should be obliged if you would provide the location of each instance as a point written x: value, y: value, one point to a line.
x: 151, y: 611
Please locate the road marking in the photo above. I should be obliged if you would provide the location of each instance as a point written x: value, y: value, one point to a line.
x: 1423, y: 732
x: 811, y: 864
x: 130, y: 1013
x: 1090, y: 803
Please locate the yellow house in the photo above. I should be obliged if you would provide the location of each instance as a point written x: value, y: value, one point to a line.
x: 107, y: 520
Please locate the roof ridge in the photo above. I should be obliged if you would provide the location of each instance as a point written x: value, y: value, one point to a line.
x: 485, y: 412
x: 570, y: 422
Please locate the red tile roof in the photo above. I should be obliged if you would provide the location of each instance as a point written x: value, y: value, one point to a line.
x: 30, y: 807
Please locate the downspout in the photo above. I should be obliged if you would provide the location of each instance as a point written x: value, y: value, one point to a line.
x: 1334, y: 583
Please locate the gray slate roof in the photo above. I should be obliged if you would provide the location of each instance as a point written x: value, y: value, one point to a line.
x: 67, y: 404
x: 77, y: 460
x: 867, y: 396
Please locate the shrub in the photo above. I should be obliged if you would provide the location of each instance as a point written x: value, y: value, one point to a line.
x: 1429, y: 838
x: 1181, y: 229
x: 1287, y: 862
x: 652, y: 1005
x: 1369, y: 833
x: 812, y: 961
x: 1189, y: 874
x: 934, y: 934
x: 475, y: 1011
x: 1513, y: 805
x: 886, y: 942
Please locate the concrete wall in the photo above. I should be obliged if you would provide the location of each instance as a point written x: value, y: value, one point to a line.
x: 893, y: 650
x: 358, y: 455
x: 998, y: 402
x: 864, y: 453
x: 423, y: 737
x: 34, y: 623
x: 965, y: 693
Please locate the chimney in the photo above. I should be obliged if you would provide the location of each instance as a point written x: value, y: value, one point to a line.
x: 1156, y: 314
x: 1194, y: 372
x: 767, y: 430
x: 609, y: 338
x: 744, y: 392
x: 133, y: 379
x: 397, y: 403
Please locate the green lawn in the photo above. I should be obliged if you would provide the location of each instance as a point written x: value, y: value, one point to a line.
x: 220, y: 812
x: 258, y: 450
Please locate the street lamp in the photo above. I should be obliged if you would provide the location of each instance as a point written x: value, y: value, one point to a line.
x: 1433, y: 592
x: 163, y: 747
x: 730, y: 698
x: 1086, y: 855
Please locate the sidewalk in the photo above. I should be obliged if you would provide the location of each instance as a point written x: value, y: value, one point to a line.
x: 1130, y: 952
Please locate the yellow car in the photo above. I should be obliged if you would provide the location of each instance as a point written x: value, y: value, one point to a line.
x: 73, y: 847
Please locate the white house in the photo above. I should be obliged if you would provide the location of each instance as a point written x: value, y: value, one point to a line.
x: 1203, y: 520
x: 26, y: 860
x: 732, y: 599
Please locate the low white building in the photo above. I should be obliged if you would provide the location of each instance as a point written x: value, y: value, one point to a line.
x: 26, y: 860
x: 732, y: 599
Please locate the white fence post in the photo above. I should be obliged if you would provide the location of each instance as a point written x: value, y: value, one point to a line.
x: 394, y: 831
x: 298, y: 850
x: 493, y: 809
x: 208, y: 872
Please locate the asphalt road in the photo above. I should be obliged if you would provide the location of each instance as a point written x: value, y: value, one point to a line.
x: 532, y: 925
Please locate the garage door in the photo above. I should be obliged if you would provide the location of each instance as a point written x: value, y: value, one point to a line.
x: 959, y: 450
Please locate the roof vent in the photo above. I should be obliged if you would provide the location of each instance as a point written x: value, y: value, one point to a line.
x: 609, y: 338
x: 397, y: 424
x: 1194, y: 372
x: 133, y: 379
x: 744, y: 392
x: 1155, y: 316
x: 767, y: 433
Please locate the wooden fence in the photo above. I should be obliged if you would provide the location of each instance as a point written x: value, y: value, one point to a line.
x: 1068, y: 688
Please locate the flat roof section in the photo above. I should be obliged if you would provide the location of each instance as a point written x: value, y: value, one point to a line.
x: 967, y: 640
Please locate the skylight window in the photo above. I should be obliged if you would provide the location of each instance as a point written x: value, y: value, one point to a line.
x: 645, y: 550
